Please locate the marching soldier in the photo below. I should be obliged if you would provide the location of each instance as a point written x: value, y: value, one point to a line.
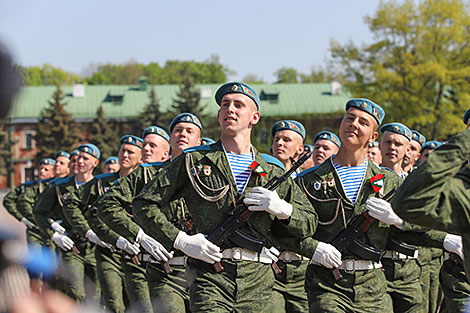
x: 413, y: 154
x: 111, y: 165
x: 374, y: 154
x: 288, y: 138
x: 309, y: 163
x: 213, y: 179
x: 326, y: 144
x: 427, y: 148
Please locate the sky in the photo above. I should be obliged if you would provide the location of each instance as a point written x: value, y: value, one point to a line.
x: 250, y: 37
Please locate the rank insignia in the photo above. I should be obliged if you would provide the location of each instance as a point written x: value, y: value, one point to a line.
x: 317, y: 185
x: 331, y: 182
x: 207, y: 170
x: 65, y: 196
x: 377, y: 182
x: 256, y: 168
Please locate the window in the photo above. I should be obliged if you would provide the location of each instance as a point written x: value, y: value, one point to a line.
x: 28, y: 140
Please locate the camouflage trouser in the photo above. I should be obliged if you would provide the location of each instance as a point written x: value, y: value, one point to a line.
x: 424, y: 261
x: 79, y: 272
x: 289, y: 290
x: 456, y: 288
x: 243, y: 286
x: 137, y: 286
x: 361, y: 291
x: 111, y: 277
x: 403, y: 285
x: 435, y: 292
x: 169, y: 292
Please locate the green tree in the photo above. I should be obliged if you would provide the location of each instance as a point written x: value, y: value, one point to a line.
x: 317, y: 75
x: 47, y: 75
x: 188, y: 98
x: 253, y: 79
x: 151, y: 114
x: 104, y: 135
x: 418, y: 67
x: 287, y: 75
x: 5, y: 146
x: 56, y: 129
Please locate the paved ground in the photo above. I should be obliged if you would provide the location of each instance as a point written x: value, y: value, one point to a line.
x: 8, y: 221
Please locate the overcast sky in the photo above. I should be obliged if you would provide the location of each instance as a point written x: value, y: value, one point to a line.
x: 250, y: 37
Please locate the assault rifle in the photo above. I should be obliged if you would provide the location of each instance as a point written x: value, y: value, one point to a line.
x: 228, y: 231
x: 348, y: 239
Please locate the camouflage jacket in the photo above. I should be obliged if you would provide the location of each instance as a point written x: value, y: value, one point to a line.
x: 9, y: 202
x: 29, y: 195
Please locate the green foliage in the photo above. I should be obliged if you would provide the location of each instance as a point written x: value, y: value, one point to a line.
x: 5, y: 146
x: 317, y: 75
x: 187, y: 98
x: 253, y: 79
x: 56, y: 129
x: 151, y: 114
x: 104, y: 135
x: 418, y: 67
x: 287, y: 75
x: 46, y: 75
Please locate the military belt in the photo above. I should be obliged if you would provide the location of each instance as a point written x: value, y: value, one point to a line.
x: 144, y: 257
x: 240, y: 254
x: 351, y: 265
x: 394, y: 255
x: 287, y: 257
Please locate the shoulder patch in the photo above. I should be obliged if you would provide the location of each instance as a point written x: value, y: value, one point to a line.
x: 63, y: 180
x: 101, y: 176
x: 273, y: 161
x: 303, y: 173
x: 197, y: 148
x: 152, y: 164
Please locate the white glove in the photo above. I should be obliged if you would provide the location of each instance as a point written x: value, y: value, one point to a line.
x: 383, y: 211
x: 262, y: 199
x: 272, y: 252
x: 156, y: 249
x: 327, y: 255
x: 63, y: 241
x: 453, y: 243
x: 198, y: 247
x: 28, y: 223
x: 57, y: 227
x: 91, y: 236
x: 124, y: 244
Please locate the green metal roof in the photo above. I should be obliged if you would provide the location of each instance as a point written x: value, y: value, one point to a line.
x: 293, y: 99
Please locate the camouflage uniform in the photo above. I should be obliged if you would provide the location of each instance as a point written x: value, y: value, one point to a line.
x: 357, y: 291
x: 9, y: 202
x: 435, y: 195
x: 79, y: 269
x: 203, y: 177
x: 115, y: 209
x: 455, y: 286
x: 83, y: 216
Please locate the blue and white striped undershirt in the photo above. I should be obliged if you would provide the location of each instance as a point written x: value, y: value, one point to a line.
x: 240, y: 165
x: 351, y: 178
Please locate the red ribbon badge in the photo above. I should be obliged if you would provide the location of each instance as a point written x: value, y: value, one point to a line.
x: 256, y: 167
x: 377, y: 182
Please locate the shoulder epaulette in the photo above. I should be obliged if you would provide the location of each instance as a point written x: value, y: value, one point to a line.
x: 101, y: 176
x: 152, y: 164
x: 273, y: 161
x: 197, y: 148
x: 305, y: 172
x: 63, y: 180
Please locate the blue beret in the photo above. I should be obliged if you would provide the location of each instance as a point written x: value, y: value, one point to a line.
x: 132, y: 140
x: 272, y: 160
x: 374, y: 144
x: 308, y: 148
x: 398, y: 128
x: 236, y: 87
x: 185, y: 118
x: 288, y: 125
x: 466, y: 116
x: 328, y: 136
x: 74, y: 152
x: 47, y: 161
x: 418, y: 137
x: 111, y: 160
x: 90, y: 149
x: 431, y: 144
x: 367, y: 106
x: 62, y: 153
x: 157, y: 131
x: 206, y: 141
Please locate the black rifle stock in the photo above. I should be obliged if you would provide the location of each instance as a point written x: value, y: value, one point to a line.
x: 228, y: 230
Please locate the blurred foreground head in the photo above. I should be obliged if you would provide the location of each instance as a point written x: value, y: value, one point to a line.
x: 9, y: 81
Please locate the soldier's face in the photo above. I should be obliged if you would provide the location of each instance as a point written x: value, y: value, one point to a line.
x: 61, y: 166
x: 287, y: 143
x: 237, y: 113
x: 183, y: 136
x: 412, y: 154
x: 393, y: 147
x: 425, y: 155
x: 155, y: 149
x: 111, y: 168
x: 375, y: 155
x: 46, y: 171
x: 323, y: 150
x: 86, y: 162
x: 129, y: 156
x: 73, y: 164
x: 357, y: 129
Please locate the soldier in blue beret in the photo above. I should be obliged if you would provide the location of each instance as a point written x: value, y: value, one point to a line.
x: 373, y: 153
x: 185, y: 132
x: 414, y: 153
x: 206, y: 141
x: 466, y: 117
x: 46, y: 168
x: 288, y: 141
x: 394, y: 144
x: 326, y: 144
x: 62, y: 160
x: 427, y: 148
x: 309, y: 163
x: 156, y: 146
x: 73, y: 164
x: 111, y: 165
x: 237, y: 87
